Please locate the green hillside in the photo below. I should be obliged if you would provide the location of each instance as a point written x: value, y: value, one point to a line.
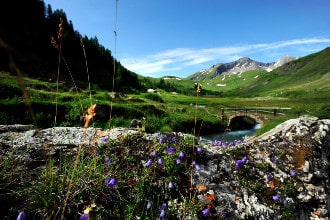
x: 304, y: 77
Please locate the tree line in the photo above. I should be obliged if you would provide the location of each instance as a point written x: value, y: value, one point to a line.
x: 26, y: 29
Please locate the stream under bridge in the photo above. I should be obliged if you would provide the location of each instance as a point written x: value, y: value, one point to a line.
x: 259, y: 114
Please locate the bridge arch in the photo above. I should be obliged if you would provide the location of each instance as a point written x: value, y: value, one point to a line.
x: 259, y: 114
x: 256, y: 117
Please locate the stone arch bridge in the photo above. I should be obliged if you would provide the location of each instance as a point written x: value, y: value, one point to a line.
x: 259, y: 114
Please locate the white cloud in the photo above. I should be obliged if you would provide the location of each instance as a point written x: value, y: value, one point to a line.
x: 179, y: 59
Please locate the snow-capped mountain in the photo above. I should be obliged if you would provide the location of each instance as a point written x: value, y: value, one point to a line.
x: 239, y: 66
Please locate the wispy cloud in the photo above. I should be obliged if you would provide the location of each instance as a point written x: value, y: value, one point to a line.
x: 180, y: 60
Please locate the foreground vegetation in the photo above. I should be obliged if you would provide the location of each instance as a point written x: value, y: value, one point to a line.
x: 153, y: 179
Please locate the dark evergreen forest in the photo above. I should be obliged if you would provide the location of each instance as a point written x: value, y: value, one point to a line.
x: 26, y: 30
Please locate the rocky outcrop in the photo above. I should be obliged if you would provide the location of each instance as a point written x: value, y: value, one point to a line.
x: 285, y: 173
x: 282, y: 174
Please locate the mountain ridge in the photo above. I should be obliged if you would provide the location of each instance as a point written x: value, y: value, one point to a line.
x: 239, y: 66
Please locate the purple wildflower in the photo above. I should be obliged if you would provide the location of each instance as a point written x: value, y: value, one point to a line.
x: 199, y: 150
x: 217, y: 143
x: 285, y: 201
x: 274, y: 160
x: 240, y: 163
x: 276, y: 198
x: 197, y: 167
x: 111, y: 182
x: 170, y: 150
x: 174, y: 140
x: 164, y: 206
x: 293, y: 173
x: 232, y: 143
x: 137, y: 179
x: 161, y: 140
x: 21, y: 216
x: 181, y: 155
x: 206, y: 212
x: 162, y: 213
x: 149, y: 163
x: 269, y: 178
x: 154, y: 154
x: 105, y: 139
x: 148, y: 205
x: 170, y: 185
x: 83, y: 217
x: 160, y: 161
x: 107, y: 161
x: 178, y: 161
x: 162, y: 210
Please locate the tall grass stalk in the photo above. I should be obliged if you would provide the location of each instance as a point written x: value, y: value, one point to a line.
x: 114, y: 66
x: 86, y: 63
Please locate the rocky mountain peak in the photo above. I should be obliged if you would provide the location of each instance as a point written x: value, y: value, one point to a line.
x: 240, y: 66
x: 284, y: 60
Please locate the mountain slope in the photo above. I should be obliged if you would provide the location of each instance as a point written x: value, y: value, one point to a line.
x: 310, y: 74
x: 238, y: 67
x: 304, y: 76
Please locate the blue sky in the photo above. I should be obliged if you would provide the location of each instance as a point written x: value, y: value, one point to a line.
x: 180, y: 37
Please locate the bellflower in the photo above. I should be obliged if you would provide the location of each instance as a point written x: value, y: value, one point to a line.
x: 164, y: 206
x: 170, y: 185
x: 196, y: 166
x: 181, y: 155
x: 274, y: 160
x: 160, y: 161
x: 206, y: 212
x: 199, y: 150
x: 240, y: 163
x: 293, y: 173
x: 178, y: 161
x: 107, y: 161
x: 105, y: 139
x: 149, y: 163
x: 154, y: 154
x: 148, y: 205
x: 162, y: 210
x: 276, y: 198
x: 269, y: 178
x: 162, y: 214
x: 174, y: 140
x: 170, y: 150
x: 83, y: 217
x: 21, y: 216
x: 111, y: 182
x: 245, y: 160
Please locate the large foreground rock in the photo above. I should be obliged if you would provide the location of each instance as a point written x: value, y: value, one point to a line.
x: 282, y: 174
